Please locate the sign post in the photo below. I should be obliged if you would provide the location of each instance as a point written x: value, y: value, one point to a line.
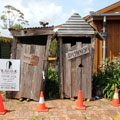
x: 9, y: 74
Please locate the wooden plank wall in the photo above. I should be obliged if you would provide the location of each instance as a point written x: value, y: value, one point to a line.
x: 112, y: 42
x: 76, y: 72
x: 98, y: 48
x: 113, y: 39
x: 87, y: 74
x: 67, y: 71
x: 31, y: 76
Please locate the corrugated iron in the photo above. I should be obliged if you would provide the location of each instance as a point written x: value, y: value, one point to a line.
x: 34, y: 28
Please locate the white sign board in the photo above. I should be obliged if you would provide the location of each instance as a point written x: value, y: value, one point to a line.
x: 9, y: 74
x: 77, y: 53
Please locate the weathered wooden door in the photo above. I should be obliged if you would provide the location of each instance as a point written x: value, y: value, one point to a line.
x: 32, y: 58
x: 77, y: 71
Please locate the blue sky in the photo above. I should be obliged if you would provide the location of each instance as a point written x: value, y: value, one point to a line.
x: 54, y: 11
x: 84, y: 7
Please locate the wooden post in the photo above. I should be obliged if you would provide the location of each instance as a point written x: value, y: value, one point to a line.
x: 46, y: 60
x: 67, y: 71
x: 78, y: 70
x: 93, y: 42
x: 87, y: 74
x: 61, y: 66
x: 13, y: 48
x: 9, y: 94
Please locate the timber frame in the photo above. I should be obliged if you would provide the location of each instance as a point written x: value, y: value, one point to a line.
x: 31, y: 31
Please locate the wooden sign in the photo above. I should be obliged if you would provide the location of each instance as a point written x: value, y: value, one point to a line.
x: 31, y: 59
x: 77, y: 53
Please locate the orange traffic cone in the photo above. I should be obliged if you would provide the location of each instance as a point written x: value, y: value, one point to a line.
x: 80, y: 105
x: 41, y: 107
x: 2, y: 110
x: 115, y: 101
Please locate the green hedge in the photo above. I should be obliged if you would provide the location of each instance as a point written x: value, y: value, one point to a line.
x: 52, y: 84
x: 107, y: 79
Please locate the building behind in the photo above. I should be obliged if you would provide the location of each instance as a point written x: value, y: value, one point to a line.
x: 106, y: 21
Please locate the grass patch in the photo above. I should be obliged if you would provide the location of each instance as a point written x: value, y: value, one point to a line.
x: 34, y: 118
x: 84, y: 117
x: 3, y: 93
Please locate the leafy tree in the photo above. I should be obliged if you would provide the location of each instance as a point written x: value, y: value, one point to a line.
x: 6, y: 40
x: 53, y: 48
x: 11, y: 16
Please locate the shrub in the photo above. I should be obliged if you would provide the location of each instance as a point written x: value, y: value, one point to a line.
x: 53, y: 48
x: 52, y: 84
x: 5, y: 40
x: 108, y: 78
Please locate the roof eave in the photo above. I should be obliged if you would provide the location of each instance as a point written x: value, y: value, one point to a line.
x: 32, y: 31
x: 74, y: 35
x: 110, y: 7
x: 93, y: 14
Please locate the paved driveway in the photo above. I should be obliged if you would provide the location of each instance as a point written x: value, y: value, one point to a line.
x: 59, y: 110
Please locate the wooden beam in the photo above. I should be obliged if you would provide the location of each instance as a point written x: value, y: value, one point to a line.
x: 46, y: 60
x: 75, y: 35
x: 14, y: 48
x: 58, y: 26
x: 108, y: 18
x: 52, y: 59
x: 67, y: 72
x: 61, y: 67
x: 31, y: 32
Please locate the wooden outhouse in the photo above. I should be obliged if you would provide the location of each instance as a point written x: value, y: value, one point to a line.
x: 76, y: 38
x: 31, y: 46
